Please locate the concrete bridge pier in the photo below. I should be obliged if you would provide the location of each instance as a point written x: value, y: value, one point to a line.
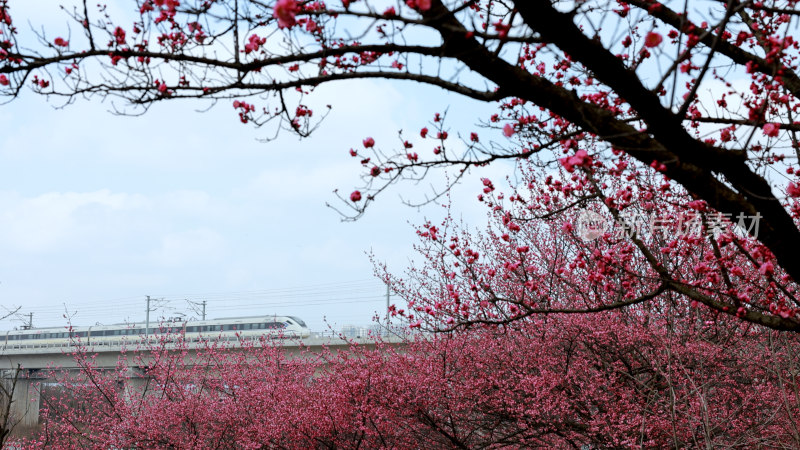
x: 25, y: 399
x: 134, y: 385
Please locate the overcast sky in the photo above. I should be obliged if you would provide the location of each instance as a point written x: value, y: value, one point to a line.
x: 97, y: 211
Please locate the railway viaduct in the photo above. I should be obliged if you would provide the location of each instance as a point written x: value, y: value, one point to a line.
x: 27, y: 368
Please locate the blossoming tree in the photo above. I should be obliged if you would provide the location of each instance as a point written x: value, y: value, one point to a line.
x: 701, y: 97
x: 557, y: 382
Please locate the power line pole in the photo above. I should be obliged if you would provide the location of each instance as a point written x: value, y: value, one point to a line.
x: 29, y: 325
x: 388, y: 294
x: 204, y: 309
x: 147, y: 318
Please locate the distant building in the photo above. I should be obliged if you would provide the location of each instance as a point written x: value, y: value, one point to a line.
x: 356, y: 331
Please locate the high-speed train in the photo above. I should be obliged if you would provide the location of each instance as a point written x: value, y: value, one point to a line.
x: 223, y: 329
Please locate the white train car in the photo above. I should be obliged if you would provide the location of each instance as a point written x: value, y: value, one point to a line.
x: 232, y: 328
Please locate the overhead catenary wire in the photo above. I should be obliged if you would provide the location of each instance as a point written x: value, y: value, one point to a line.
x: 288, y: 300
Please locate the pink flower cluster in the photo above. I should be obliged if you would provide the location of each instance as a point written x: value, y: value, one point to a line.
x: 580, y: 159
x: 244, y: 110
x: 285, y: 11
x: 254, y: 43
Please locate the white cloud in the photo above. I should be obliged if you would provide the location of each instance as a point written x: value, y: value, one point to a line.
x: 191, y: 247
x: 54, y: 219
